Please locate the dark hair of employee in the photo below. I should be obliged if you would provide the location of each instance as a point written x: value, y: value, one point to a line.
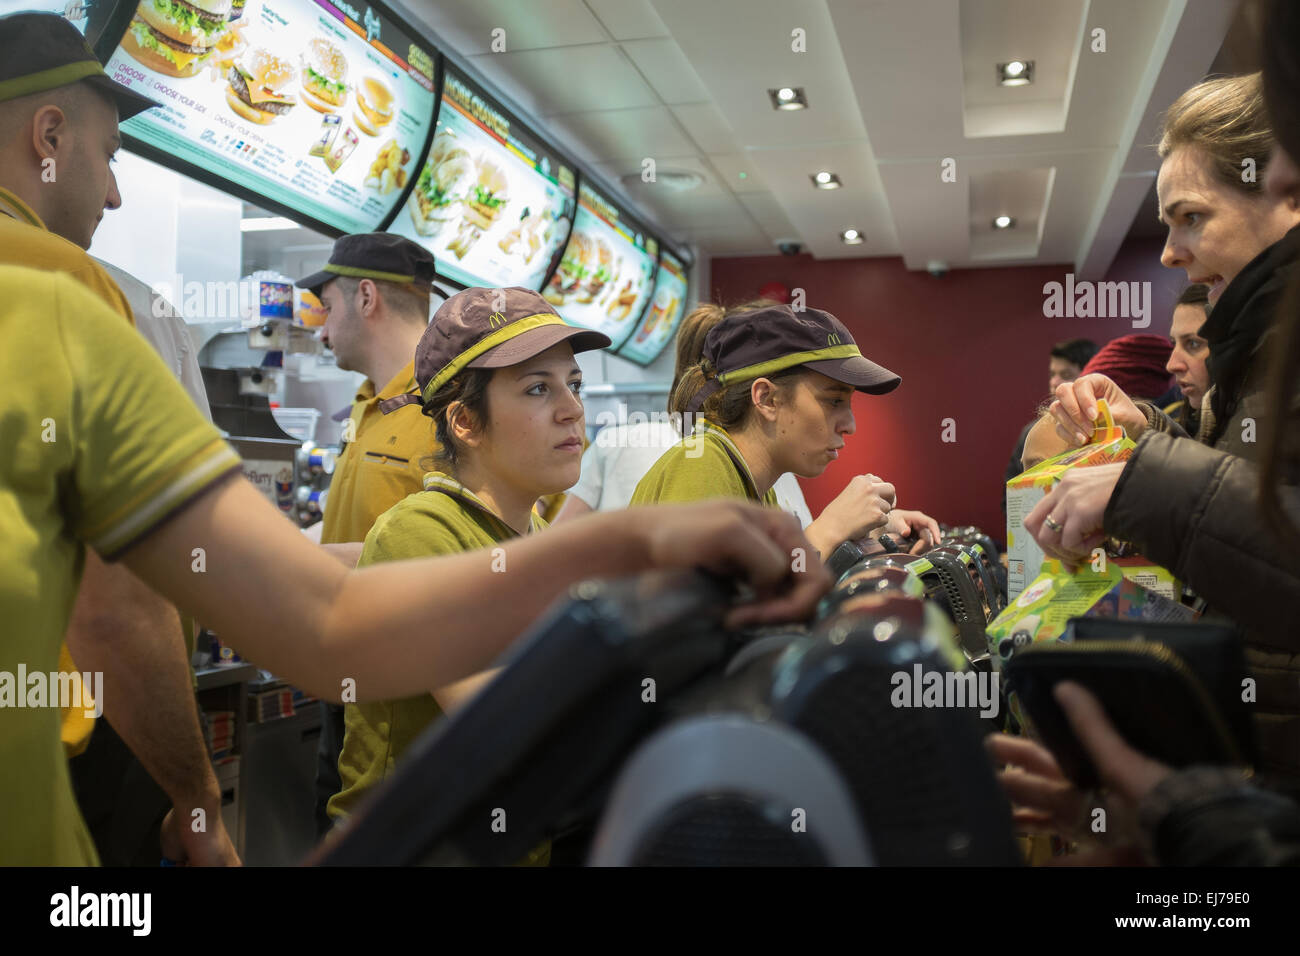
x: 691, y: 334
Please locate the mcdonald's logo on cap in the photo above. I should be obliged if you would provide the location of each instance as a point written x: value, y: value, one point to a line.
x: 496, y: 319
x: 833, y: 339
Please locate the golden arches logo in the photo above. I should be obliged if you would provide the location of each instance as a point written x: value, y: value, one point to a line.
x: 833, y: 339
x: 496, y: 319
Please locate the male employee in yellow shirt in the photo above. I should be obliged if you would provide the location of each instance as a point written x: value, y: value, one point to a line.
x: 59, y: 114
x: 375, y: 289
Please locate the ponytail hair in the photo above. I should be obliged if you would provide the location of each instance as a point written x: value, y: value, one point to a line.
x: 728, y: 407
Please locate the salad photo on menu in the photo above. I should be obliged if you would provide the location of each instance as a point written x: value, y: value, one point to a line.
x: 492, y: 203
x: 290, y: 101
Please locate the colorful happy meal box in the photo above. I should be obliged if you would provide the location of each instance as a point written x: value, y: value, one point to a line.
x: 1130, y: 589
x: 1025, y: 558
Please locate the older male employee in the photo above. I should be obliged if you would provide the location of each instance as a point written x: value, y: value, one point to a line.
x: 376, y: 289
x: 59, y: 114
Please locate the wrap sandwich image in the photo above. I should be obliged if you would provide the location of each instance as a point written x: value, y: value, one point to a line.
x: 447, y: 178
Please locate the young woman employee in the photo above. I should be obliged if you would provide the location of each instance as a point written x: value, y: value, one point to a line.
x: 498, y: 378
x: 772, y: 395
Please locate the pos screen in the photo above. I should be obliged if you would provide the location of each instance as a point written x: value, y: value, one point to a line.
x: 315, y: 109
x: 493, y: 203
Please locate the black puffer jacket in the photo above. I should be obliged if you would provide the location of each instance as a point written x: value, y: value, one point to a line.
x: 1194, y: 507
x: 1210, y: 816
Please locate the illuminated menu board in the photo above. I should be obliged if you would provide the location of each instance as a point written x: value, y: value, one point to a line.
x: 606, y: 274
x: 667, y: 305
x: 493, y: 203
x: 320, y: 109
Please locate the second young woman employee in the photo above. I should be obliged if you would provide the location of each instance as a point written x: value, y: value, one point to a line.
x: 772, y: 394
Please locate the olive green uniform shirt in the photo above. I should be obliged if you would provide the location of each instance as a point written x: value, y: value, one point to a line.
x: 381, y: 463
x: 706, y: 464
x: 101, y: 447
x: 445, y: 518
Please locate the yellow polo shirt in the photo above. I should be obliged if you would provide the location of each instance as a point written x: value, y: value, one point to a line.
x: 706, y: 465
x: 102, y: 446
x: 445, y: 518
x: 381, y: 465
x: 25, y: 241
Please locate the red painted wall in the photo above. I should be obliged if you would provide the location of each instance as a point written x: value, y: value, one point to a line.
x: 971, y: 346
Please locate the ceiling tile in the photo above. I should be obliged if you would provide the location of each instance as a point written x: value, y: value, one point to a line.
x: 707, y: 127
x: 634, y: 133
x: 576, y: 79
x: 628, y: 19
x: 467, y: 26
x: 666, y: 68
x: 740, y: 173
x: 767, y: 212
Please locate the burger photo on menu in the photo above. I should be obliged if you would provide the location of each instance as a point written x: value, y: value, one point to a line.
x: 598, y: 274
x: 374, y: 105
x: 324, y: 76
x: 176, y: 37
x: 571, y: 270
x: 229, y: 48
x: 447, y: 178
x: 256, y: 86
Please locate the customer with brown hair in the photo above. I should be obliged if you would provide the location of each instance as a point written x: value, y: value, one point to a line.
x: 1188, y: 361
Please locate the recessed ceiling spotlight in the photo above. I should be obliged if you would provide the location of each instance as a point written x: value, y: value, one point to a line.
x: 1003, y: 222
x: 1016, y: 73
x: 825, y: 180
x: 788, y: 98
x: 851, y: 237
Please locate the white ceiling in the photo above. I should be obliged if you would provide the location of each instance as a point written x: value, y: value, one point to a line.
x: 894, y: 87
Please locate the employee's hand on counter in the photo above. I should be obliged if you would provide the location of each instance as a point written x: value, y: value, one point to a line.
x: 1076, y: 507
x: 763, y: 546
x: 861, y: 508
x: 1075, y: 408
x: 915, y: 525
x: 183, y: 844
